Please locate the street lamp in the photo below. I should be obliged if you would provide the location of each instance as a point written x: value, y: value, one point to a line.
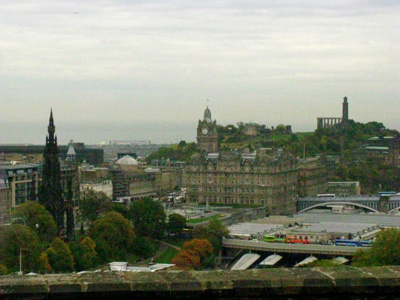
x: 20, y: 260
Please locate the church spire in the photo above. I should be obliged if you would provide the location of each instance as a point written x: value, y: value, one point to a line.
x: 51, y: 129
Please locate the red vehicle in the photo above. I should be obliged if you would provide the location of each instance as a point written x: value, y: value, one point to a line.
x: 295, y: 240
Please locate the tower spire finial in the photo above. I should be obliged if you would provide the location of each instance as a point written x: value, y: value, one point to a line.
x: 51, y: 128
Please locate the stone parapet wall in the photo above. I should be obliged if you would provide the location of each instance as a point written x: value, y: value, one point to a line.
x: 302, y: 283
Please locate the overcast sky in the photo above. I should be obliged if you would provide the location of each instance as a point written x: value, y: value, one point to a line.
x: 144, y: 69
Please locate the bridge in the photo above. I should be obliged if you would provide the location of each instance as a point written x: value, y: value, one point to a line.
x: 298, y: 283
x: 291, y: 248
x: 387, y: 204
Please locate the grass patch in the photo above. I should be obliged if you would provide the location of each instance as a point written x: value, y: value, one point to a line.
x: 166, y: 256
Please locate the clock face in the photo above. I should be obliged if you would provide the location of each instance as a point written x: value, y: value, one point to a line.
x: 204, y: 131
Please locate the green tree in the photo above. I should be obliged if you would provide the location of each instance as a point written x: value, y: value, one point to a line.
x: 182, y: 144
x: 384, y: 251
x: 120, y: 208
x: 92, y: 205
x: 213, y: 232
x: 59, y: 256
x: 148, y: 218
x: 142, y: 247
x: 18, y: 239
x: 38, y: 218
x: 113, y: 235
x: 84, y: 253
x: 176, y: 223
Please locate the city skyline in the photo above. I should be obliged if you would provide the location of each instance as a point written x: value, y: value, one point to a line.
x: 144, y: 70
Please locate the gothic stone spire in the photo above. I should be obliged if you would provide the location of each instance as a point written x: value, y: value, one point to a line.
x: 51, y: 190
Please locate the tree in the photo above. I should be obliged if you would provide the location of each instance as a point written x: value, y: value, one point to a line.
x: 142, y: 247
x: 92, y: 205
x: 202, y: 247
x: 120, y: 208
x: 384, y: 251
x: 213, y: 232
x: 84, y: 253
x: 44, y: 264
x: 186, y: 260
x: 113, y: 235
x: 182, y: 144
x: 59, y: 256
x: 38, y: 218
x: 3, y: 270
x: 17, y: 239
x: 176, y: 223
x: 193, y: 254
x: 148, y: 218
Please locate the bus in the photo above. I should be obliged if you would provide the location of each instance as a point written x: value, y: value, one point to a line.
x: 388, y: 193
x: 273, y: 239
x: 365, y: 244
x: 326, y: 195
x: 344, y: 242
x: 295, y: 240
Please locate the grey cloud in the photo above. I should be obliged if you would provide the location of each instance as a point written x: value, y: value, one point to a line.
x: 134, y: 61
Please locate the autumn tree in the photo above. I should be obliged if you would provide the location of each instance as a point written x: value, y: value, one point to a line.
x: 193, y: 254
x: 384, y: 251
x: 148, y: 217
x: 176, y: 223
x: 18, y: 239
x: 38, y: 218
x: 202, y: 247
x: 186, y: 260
x: 113, y: 235
x: 59, y: 256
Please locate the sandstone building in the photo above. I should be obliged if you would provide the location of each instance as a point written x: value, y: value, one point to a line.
x: 313, y: 177
x: 267, y: 177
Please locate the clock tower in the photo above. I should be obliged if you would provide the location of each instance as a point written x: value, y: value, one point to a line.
x: 207, y: 136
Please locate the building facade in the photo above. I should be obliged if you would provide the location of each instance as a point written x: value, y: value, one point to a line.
x: 344, y: 188
x: 268, y: 178
x: 313, y: 177
x: 23, y: 182
x: 207, y: 136
x: 104, y: 186
x: 5, y: 200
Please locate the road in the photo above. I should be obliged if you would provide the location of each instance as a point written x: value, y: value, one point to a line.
x: 291, y: 248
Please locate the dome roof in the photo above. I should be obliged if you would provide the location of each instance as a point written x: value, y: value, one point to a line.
x: 127, y: 160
